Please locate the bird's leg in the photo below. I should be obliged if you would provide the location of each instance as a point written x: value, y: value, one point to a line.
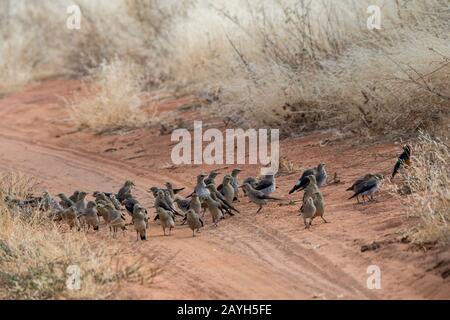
x: 324, y: 219
x: 193, y: 233
x: 260, y: 207
x: 357, y: 198
x: 306, y: 224
x: 164, y: 229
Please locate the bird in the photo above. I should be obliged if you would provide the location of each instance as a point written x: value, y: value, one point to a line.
x: 252, y: 181
x: 311, y: 187
x: 228, y: 189
x: 320, y: 174
x: 216, y: 195
x: 182, y: 203
x: 319, y: 203
x: 74, y: 196
x: 307, y: 211
x: 211, y: 177
x: 115, y: 201
x: 368, y: 187
x: 358, y: 183
x: 214, y: 209
x: 194, y: 221
x: 70, y: 216
x: 114, y: 218
x: 129, y: 205
x: 140, y: 222
x: 161, y: 202
x: 50, y: 204
x: 80, y: 204
x: 222, y: 206
x: 403, y: 160
x: 65, y: 202
x: 107, y: 198
x: 266, y: 185
x: 89, y: 216
x: 195, y: 204
x: 166, y: 218
x: 234, y: 182
x: 258, y: 197
x: 200, y: 188
x: 125, y: 191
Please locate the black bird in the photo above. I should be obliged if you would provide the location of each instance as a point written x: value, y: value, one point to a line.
x: 403, y: 159
x: 319, y: 173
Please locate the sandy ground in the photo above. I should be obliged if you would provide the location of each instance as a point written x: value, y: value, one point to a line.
x: 249, y: 256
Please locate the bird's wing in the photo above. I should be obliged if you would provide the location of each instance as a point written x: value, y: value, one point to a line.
x: 366, y: 186
x: 263, y: 184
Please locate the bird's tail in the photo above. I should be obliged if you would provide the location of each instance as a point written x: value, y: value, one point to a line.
x: 300, y: 185
x: 274, y: 198
x: 349, y: 189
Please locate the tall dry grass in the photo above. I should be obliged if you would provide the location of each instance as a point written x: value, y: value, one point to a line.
x: 113, y: 99
x: 428, y: 180
x: 305, y: 65
x: 296, y: 64
x: 36, y: 252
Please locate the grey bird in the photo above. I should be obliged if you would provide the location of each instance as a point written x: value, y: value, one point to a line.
x: 80, y: 205
x: 307, y: 211
x: 166, y: 218
x: 214, y: 209
x: 182, y: 203
x: 50, y: 204
x: 356, y: 186
x: 140, y: 221
x: 311, y: 187
x: 227, y: 189
x: 70, y: 216
x: 217, y: 196
x: 320, y: 174
x: 125, y: 191
x: 194, y: 221
x: 89, y: 216
x: 195, y: 204
x: 234, y: 183
x: 200, y: 189
x: 112, y: 217
x: 129, y: 205
x: 320, y: 206
x: 211, y: 177
x: 74, y: 196
x: 266, y: 185
x: 250, y: 180
x: 368, y: 188
x: 257, y: 196
x: 65, y: 202
x: 161, y: 202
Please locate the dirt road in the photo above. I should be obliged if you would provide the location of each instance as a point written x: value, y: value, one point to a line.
x: 250, y: 256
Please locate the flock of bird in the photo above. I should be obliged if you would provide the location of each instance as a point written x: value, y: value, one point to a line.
x: 219, y: 200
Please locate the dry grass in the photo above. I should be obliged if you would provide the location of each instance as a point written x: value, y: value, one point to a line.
x: 300, y: 65
x: 114, y: 99
x: 35, y: 253
x: 307, y: 65
x: 428, y: 180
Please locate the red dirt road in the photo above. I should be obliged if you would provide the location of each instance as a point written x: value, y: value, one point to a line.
x: 249, y: 256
